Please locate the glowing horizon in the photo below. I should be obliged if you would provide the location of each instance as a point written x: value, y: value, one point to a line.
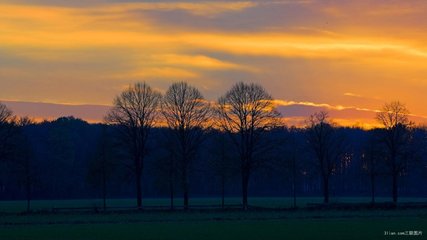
x: 293, y: 113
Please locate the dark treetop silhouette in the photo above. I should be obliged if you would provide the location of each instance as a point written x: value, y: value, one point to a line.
x: 397, y: 138
x: 134, y: 113
x: 246, y: 112
x: 328, y: 146
x: 186, y: 113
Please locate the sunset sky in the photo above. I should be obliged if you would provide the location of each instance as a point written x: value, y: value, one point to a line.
x: 347, y: 57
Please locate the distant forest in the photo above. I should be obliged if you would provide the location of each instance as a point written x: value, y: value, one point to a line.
x: 178, y: 145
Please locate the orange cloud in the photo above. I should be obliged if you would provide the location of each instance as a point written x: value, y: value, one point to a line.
x: 198, y: 61
x: 312, y: 60
x: 115, y: 25
x: 211, y: 8
x: 311, y: 104
x: 158, y: 72
x: 349, y: 94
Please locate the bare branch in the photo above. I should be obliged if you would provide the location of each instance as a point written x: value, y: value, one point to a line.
x: 245, y: 112
x: 134, y: 112
x: 186, y: 113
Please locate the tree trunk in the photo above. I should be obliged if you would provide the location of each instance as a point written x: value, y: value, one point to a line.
x: 104, y: 189
x: 28, y: 195
x: 294, y: 177
x: 325, y: 190
x: 185, y: 188
x: 171, y: 179
x: 222, y: 192
x: 28, y: 183
x: 372, y: 189
x: 171, y: 192
x: 395, y: 188
x: 104, y: 172
x: 139, y: 189
x: 245, y: 182
x: 186, y: 198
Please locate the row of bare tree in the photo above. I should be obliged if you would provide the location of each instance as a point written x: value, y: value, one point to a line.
x: 246, y: 113
x: 394, y: 145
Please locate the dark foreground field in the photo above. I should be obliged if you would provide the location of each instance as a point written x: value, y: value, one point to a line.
x: 302, y: 223
x: 350, y: 228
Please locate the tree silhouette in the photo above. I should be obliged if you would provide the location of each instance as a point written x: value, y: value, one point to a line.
x: 134, y: 112
x: 65, y: 156
x: 186, y: 113
x: 328, y: 146
x: 102, y: 164
x: 291, y: 157
x: 246, y: 112
x: 5, y: 114
x: 372, y: 156
x: 7, y: 131
x: 166, y: 165
x: 220, y: 162
x: 397, y: 136
x: 24, y: 154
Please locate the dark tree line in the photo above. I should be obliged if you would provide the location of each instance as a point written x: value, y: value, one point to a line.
x: 180, y: 144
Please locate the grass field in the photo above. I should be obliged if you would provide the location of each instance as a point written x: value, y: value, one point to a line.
x: 209, y: 224
x: 347, y: 228
x: 47, y: 205
x: 277, y: 229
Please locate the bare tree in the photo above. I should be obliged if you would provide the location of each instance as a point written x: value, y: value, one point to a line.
x: 246, y: 112
x: 5, y: 113
x: 186, y: 113
x: 291, y: 157
x: 166, y: 166
x: 372, y: 154
x: 171, y: 172
x: 102, y: 164
x: 7, y: 135
x: 397, y: 136
x: 221, y: 162
x: 7, y: 130
x: 24, y: 155
x: 327, y: 145
x: 134, y: 112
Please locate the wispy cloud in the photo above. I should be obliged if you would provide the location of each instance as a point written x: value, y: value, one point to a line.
x: 374, y: 9
x: 349, y: 94
x: 197, y: 61
x: 320, y: 105
x: 157, y: 73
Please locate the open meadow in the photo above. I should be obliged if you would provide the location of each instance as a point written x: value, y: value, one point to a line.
x: 128, y: 203
x: 278, y: 221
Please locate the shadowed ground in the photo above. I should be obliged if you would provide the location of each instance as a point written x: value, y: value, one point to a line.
x: 349, y: 228
x: 259, y: 223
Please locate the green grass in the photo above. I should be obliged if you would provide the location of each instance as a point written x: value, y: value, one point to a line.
x: 208, y: 224
x: 272, y: 229
x: 47, y: 205
x: 199, y: 216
